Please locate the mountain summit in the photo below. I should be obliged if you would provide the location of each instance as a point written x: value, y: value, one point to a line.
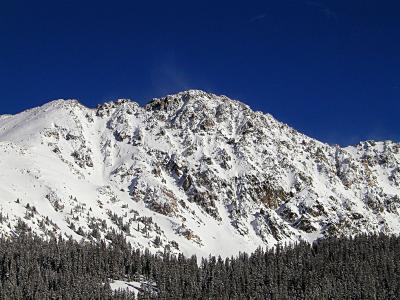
x: 193, y: 172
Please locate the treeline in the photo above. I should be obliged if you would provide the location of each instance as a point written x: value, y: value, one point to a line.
x: 364, y: 267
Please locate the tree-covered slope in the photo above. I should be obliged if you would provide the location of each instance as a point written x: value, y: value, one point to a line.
x: 366, y: 267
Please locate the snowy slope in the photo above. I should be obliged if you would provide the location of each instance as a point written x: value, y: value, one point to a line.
x: 193, y: 172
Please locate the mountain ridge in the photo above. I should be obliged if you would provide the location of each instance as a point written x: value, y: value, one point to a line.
x: 213, y: 176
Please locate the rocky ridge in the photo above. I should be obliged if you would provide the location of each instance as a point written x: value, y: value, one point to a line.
x: 192, y: 172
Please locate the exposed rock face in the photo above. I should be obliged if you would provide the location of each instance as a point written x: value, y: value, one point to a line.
x: 213, y: 175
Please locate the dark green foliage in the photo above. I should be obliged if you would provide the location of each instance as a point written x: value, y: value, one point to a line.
x: 365, y: 267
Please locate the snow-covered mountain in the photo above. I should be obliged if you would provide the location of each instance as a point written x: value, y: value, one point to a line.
x: 193, y: 172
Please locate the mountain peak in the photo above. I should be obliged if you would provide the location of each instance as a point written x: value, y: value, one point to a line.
x: 194, y: 100
x: 195, y: 93
x: 57, y: 103
x: 198, y: 172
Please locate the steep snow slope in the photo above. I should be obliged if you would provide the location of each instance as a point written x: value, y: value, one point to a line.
x: 192, y: 172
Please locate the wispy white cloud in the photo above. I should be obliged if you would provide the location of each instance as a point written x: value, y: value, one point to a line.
x: 168, y: 76
x: 324, y: 9
x: 257, y: 18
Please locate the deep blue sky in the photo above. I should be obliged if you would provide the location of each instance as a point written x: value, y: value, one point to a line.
x: 331, y: 69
